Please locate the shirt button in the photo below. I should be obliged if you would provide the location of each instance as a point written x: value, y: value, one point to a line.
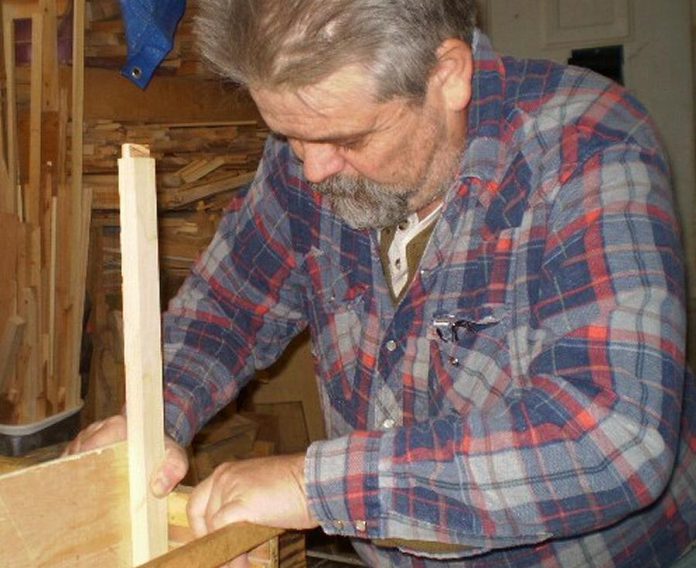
x: 388, y: 424
x: 360, y: 526
x: 454, y: 361
x: 391, y: 345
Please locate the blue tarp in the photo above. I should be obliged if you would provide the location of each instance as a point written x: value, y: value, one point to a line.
x: 150, y: 27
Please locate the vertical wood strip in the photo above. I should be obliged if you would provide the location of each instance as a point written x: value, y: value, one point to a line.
x: 142, y: 349
x: 51, y: 87
x: 8, y: 34
x: 81, y: 205
x: 33, y: 198
x: 52, y: 267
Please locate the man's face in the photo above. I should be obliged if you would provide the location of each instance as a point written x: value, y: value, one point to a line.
x: 376, y: 162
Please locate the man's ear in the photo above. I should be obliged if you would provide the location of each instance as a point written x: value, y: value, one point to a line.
x: 453, y: 74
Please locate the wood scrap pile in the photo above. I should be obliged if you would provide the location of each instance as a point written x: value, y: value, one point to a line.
x: 196, y: 162
x: 43, y: 212
x: 106, y: 42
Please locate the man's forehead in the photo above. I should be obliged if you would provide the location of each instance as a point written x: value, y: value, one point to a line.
x: 337, y: 108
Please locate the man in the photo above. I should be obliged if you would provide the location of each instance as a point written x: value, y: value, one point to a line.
x: 484, y: 250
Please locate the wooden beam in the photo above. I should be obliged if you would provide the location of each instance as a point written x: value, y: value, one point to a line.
x: 143, y: 357
x: 167, y: 99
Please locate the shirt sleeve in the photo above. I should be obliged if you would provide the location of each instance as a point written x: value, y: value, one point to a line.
x: 590, y: 433
x: 236, y: 312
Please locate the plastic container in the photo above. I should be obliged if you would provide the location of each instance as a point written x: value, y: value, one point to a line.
x: 18, y: 440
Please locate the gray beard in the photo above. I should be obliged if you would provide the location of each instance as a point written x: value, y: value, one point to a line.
x: 364, y: 204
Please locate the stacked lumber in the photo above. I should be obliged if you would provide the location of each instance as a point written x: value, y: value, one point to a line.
x: 196, y: 162
x: 44, y: 214
x: 106, y: 43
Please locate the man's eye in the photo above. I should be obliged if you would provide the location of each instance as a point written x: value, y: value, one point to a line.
x: 351, y: 144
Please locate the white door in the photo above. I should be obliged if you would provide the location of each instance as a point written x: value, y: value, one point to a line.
x: 656, y: 36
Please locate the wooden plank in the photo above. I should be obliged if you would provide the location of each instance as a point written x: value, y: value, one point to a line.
x: 69, y: 513
x: 52, y: 383
x: 33, y: 199
x: 81, y: 208
x: 11, y: 204
x: 9, y: 247
x: 187, y: 194
x: 28, y: 380
x: 143, y: 358
x: 9, y: 347
x: 168, y: 99
x: 216, y: 548
x: 51, y: 94
x: 73, y: 513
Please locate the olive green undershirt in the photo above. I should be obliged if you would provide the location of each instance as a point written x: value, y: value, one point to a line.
x: 414, y: 253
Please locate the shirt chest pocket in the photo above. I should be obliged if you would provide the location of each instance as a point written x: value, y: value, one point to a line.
x: 471, y: 329
x: 470, y: 358
x: 335, y: 304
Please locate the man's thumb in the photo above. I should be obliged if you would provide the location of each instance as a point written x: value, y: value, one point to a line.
x: 172, y: 470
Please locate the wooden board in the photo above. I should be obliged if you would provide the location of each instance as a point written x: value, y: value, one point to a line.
x: 69, y: 513
x: 73, y: 513
x: 142, y: 350
x: 109, y: 95
x: 216, y: 548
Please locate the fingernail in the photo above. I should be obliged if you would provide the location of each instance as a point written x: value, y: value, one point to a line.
x: 160, y: 486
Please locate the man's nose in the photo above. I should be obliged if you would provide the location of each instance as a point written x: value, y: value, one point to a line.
x: 321, y: 161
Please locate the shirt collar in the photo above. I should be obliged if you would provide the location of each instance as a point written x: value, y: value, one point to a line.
x: 484, y: 151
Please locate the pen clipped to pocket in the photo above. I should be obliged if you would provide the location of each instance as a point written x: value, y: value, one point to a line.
x: 452, y: 328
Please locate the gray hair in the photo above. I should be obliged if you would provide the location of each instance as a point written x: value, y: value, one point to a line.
x: 296, y: 43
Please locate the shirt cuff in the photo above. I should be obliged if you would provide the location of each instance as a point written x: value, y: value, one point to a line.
x: 176, y: 424
x: 342, y: 483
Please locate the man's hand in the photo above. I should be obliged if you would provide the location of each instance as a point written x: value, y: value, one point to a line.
x: 97, y: 435
x: 266, y: 491
x: 114, y: 429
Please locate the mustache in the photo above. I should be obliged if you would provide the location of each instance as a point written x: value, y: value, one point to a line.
x: 364, y: 204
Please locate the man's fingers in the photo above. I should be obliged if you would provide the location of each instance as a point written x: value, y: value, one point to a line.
x: 104, y: 434
x: 97, y: 435
x: 230, y: 513
x: 197, y: 506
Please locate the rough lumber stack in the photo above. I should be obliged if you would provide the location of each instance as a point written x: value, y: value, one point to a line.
x: 44, y: 214
x: 196, y: 162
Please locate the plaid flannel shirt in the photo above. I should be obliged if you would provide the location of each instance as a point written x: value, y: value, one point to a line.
x: 527, y: 400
